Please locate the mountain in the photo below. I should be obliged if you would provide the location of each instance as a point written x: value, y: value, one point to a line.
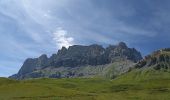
x: 81, y: 61
x: 148, y: 79
x: 158, y: 60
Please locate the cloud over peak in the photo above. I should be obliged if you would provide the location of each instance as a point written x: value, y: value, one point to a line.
x: 61, y: 39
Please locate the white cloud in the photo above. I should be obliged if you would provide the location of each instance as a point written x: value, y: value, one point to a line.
x: 61, y: 39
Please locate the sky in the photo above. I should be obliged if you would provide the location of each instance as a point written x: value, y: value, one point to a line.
x: 30, y: 28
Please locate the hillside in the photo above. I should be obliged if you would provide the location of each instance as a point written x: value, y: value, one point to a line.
x: 135, y: 85
x: 158, y: 60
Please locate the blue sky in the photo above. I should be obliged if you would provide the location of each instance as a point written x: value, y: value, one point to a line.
x: 29, y: 28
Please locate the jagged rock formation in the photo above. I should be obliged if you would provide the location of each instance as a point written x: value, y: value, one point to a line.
x: 158, y: 60
x: 78, y: 56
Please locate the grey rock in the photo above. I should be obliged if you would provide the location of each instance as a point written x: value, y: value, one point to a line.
x: 33, y: 64
x: 77, y: 56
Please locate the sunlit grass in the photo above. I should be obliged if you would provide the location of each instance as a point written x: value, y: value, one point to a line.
x: 136, y: 85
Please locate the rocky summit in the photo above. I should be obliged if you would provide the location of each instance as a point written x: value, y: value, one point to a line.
x: 77, y: 57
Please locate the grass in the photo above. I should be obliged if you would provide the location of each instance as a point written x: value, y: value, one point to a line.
x: 135, y: 85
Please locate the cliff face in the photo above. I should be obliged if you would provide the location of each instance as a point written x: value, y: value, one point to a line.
x: 121, y: 51
x: 33, y: 64
x: 77, y: 56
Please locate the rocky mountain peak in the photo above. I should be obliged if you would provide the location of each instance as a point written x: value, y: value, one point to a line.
x: 79, y: 55
x: 122, y: 45
x: 43, y: 57
x: 62, y: 51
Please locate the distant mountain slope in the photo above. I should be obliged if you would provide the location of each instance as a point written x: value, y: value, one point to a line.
x: 158, y: 60
x: 103, y: 71
x: 77, y: 58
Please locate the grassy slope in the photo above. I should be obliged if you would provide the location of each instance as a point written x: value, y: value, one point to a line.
x: 136, y: 85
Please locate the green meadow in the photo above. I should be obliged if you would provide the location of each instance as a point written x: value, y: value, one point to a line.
x: 135, y: 85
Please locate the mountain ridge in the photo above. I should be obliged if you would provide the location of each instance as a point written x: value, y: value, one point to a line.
x: 158, y: 60
x: 78, y: 56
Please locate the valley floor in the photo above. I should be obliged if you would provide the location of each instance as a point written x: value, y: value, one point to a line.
x: 136, y: 85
